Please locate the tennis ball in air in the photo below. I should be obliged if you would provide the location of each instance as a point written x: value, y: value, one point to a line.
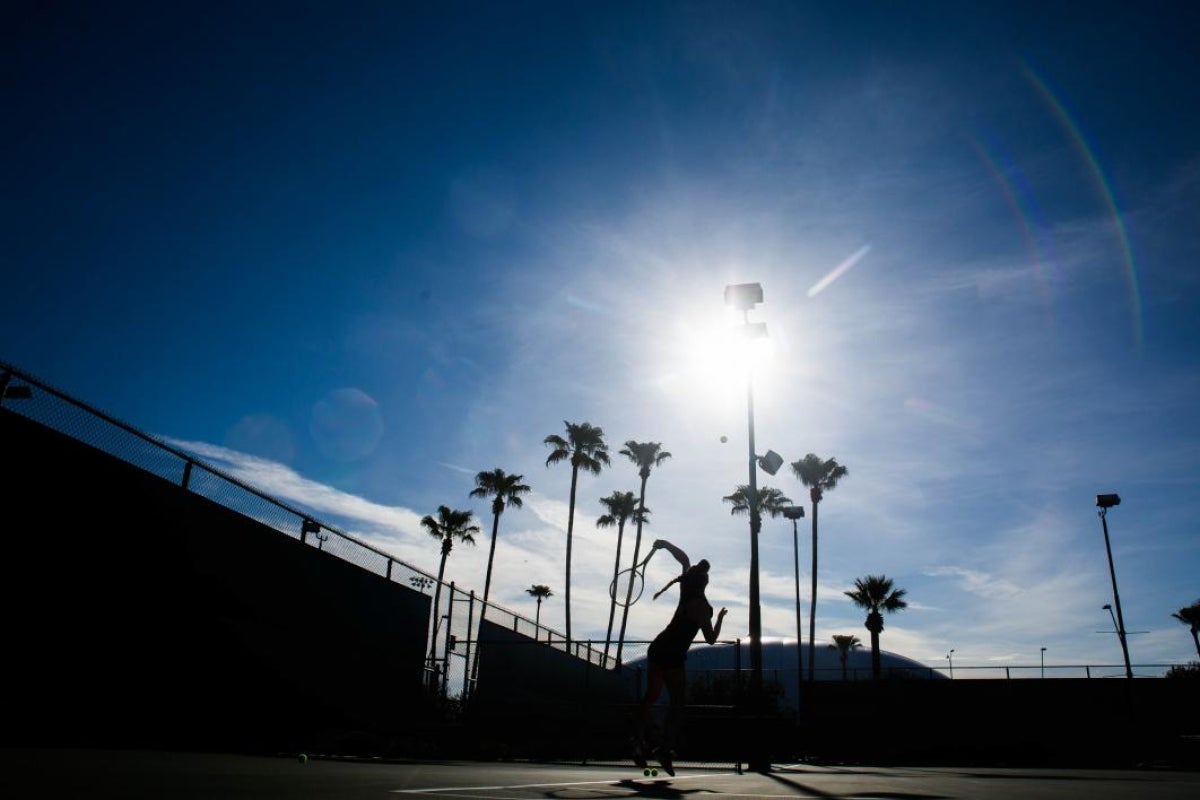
x: 724, y: 439
x: 303, y: 759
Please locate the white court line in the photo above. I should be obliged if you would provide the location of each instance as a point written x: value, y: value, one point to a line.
x: 435, y: 790
x: 756, y: 795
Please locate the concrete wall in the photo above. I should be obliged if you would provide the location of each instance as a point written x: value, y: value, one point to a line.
x: 138, y: 613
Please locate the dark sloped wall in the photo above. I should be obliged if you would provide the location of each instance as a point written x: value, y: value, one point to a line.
x: 138, y: 613
x: 533, y: 700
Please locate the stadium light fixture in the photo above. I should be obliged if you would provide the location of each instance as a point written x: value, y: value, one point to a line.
x: 770, y: 464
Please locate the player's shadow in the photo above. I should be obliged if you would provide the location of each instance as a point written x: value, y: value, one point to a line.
x: 653, y: 789
x: 814, y: 792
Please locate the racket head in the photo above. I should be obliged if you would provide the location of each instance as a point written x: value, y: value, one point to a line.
x: 620, y: 590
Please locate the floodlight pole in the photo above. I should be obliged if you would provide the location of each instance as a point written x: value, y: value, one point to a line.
x: 1103, y: 512
x: 744, y: 297
x: 755, y: 526
x: 757, y: 762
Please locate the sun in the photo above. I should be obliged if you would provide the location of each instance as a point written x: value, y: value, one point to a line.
x: 707, y: 356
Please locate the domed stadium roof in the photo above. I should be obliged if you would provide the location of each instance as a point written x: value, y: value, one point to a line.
x: 779, y: 663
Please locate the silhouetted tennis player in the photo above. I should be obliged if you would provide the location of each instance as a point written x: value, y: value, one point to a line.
x: 667, y: 654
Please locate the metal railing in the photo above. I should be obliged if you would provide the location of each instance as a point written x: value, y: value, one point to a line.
x: 1026, y: 672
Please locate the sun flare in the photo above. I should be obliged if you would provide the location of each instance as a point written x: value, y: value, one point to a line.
x: 708, y: 357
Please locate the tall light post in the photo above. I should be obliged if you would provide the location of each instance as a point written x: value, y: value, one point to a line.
x: 950, y: 658
x: 1104, y: 502
x: 1043, y: 663
x: 743, y: 297
x: 794, y: 513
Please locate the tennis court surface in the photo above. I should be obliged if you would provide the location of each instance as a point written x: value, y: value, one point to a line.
x: 144, y: 774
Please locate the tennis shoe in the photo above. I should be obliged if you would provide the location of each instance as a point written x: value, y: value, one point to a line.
x: 664, y: 757
x: 638, y: 748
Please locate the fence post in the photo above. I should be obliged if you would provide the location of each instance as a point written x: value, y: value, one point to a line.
x: 471, y: 670
x: 446, y: 646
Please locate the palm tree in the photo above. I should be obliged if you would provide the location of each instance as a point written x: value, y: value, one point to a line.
x: 541, y: 592
x: 506, y: 490
x: 874, y: 593
x: 773, y: 502
x: 621, y: 507
x: 584, y: 447
x: 645, y: 455
x: 770, y: 500
x: 844, y: 644
x: 818, y: 475
x: 450, y: 524
x: 1190, y: 616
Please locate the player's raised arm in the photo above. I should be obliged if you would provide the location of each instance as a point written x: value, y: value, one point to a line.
x: 680, y: 556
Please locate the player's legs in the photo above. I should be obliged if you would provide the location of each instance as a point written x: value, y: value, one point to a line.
x: 643, y: 724
x: 655, y: 682
x: 675, y: 680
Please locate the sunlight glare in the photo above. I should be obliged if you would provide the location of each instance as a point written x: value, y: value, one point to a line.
x: 710, y: 355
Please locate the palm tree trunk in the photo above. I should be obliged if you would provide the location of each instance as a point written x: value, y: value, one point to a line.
x: 612, y: 604
x: 812, y: 603
x: 487, y: 581
x: 637, y: 545
x: 570, y: 531
x: 537, y: 620
x: 1196, y: 639
x: 876, y: 669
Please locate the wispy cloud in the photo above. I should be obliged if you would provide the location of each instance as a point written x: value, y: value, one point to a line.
x: 283, y: 483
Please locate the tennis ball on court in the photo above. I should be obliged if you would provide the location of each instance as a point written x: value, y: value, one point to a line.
x: 303, y: 759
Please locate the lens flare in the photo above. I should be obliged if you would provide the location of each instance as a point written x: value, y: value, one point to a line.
x: 1103, y: 188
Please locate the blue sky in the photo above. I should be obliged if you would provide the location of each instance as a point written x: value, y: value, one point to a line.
x: 358, y: 252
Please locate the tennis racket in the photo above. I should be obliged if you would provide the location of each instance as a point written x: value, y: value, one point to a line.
x: 626, y: 588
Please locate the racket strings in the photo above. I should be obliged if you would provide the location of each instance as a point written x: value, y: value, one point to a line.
x: 623, y: 591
